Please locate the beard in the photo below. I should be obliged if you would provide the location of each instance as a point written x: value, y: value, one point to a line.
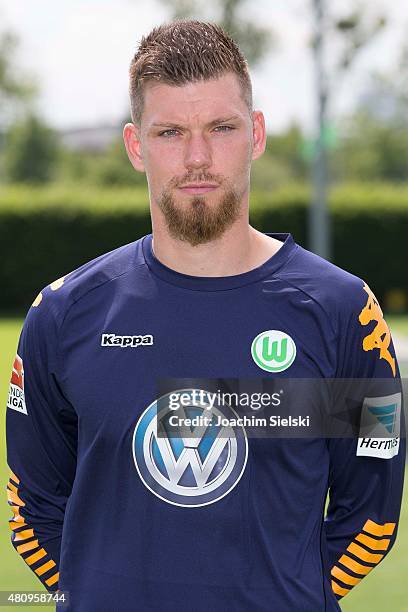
x: 197, y: 222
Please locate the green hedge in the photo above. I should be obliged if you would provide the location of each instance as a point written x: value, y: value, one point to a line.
x: 46, y: 232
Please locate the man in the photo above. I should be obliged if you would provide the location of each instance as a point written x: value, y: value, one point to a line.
x: 107, y: 505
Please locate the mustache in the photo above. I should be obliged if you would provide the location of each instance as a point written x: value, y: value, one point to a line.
x: 196, y: 179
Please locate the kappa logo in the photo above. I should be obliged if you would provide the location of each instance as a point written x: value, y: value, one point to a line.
x: 192, y: 468
x: 126, y: 341
x: 16, y: 397
x: 273, y: 350
x: 380, y: 337
x: 380, y: 418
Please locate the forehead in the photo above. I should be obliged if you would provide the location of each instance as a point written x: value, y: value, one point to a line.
x: 198, y: 101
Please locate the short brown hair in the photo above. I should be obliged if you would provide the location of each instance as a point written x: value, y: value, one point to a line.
x: 184, y: 51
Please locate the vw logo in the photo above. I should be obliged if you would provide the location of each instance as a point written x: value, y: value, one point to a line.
x: 188, y: 466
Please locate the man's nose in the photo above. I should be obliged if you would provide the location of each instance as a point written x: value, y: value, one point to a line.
x: 198, y: 152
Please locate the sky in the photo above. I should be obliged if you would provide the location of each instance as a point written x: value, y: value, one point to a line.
x: 80, y: 50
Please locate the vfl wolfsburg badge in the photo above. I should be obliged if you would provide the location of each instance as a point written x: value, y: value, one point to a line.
x: 273, y: 350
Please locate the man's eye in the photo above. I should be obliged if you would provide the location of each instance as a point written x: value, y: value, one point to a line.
x: 171, y: 132
x: 224, y: 128
x: 167, y: 133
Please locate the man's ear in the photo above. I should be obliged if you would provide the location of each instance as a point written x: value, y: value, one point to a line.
x: 131, y: 138
x: 258, y: 134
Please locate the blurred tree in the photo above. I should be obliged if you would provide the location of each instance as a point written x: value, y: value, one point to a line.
x: 31, y: 152
x: 254, y: 39
x: 347, y: 35
x: 351, y: 33
x: 356, y: 30
x: 358, y: 156
x: 15, y: 88
x: 288, y: 148
x: 106, y: 168
x: 375, y: 137
x: 110, y: 166
x: 77, y: 166
x: 386, y: 95
x: 371, y: 149
x: 283, y: 161
x: 114, y: 168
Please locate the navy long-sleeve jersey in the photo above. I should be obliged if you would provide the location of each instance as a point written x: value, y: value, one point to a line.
x: 123, y: 518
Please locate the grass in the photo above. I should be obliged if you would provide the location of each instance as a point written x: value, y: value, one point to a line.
x: 384, y: 589
x: 398, y: 323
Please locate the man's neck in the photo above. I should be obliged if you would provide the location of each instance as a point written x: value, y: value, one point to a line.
x: 238, y: 250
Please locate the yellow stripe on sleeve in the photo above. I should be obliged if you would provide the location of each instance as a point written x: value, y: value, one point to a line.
x: 35, y: 557
x: 14, y: 498
x: 378, y: 529
x: 44, y: 568
x: 18, y: 521
x: 355, y: 567
x: 23, y: 535
x: 53, y: 579
x: 14, y: 477
x: 363, y: 554
x: 344, y: 577
x: 373, y: 544
x: 12, y: 486
x: 338, y: 589
x: 28, y: 546
x: 16, y: 524
x: 17, y: 516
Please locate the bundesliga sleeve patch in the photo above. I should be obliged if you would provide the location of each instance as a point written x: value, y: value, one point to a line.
x: 380, y: 418
x: 16, y: 399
